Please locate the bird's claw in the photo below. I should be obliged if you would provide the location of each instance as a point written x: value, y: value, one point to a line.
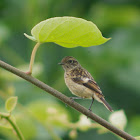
x: 72, y: 99
x: 90, y: 109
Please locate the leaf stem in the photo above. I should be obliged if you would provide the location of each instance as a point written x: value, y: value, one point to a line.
x: 32, y: 58
x: 13, y: 124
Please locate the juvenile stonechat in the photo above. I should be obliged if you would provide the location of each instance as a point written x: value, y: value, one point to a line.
x: 81, y: 83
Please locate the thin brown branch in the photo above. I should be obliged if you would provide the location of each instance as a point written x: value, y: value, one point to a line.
x: 67, y: 100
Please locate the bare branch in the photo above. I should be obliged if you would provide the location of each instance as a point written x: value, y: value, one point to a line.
x: 66, y: 100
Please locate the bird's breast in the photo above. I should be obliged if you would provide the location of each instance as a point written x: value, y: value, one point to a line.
x: 78, y: 89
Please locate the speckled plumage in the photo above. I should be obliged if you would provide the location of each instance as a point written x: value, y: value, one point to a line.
x: 80, y: 82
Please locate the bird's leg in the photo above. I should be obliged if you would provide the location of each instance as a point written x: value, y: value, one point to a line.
x: 91, y: 104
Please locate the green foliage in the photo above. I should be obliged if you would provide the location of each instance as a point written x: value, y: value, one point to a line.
x: 68, y: 32
x: 134, y: 126
x: 49, y: 111
x: 114, y: 66
x: 11, y: 104
x: 26, y: 125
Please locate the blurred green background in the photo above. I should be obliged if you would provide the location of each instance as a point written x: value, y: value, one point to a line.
x: 115, y: 66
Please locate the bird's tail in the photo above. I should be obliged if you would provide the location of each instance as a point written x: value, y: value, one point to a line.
x: 106, y: 104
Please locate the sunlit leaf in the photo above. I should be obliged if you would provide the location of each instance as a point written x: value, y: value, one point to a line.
x: 118, y: 119
x: 68, y: 32
x: 138, y: 138
x: 11, y: 103
x: 84, y: 123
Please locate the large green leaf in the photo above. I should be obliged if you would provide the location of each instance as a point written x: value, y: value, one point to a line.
x: 68, y: 32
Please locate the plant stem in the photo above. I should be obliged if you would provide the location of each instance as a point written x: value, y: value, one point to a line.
x: 13, y: 124
x: 32, y: 58
x: 66, y: 100
x: 47, y: 126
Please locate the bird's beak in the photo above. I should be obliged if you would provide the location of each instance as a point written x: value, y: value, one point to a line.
x: 60, y: 63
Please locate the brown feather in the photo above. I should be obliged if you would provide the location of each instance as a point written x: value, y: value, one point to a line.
x: 93, y: 86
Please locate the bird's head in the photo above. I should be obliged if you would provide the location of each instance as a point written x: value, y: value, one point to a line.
x: 69, y: 62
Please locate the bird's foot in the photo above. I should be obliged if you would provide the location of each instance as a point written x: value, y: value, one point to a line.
x: 90, y: 109
x: 72, y: 99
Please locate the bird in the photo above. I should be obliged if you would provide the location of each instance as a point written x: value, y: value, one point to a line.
x: 81, y: 83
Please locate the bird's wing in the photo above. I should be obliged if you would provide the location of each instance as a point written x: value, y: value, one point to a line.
x: 93, y: 86
x: 84, y: 78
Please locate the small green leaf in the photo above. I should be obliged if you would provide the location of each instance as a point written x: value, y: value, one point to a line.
x: 68, y: 32
x: 11, y: 103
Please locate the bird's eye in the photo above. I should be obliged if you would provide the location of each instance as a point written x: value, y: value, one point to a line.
x: 70, y: 61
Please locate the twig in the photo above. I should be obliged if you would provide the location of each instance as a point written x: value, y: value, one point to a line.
x: 13, y: 124
x: 66, y: 100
